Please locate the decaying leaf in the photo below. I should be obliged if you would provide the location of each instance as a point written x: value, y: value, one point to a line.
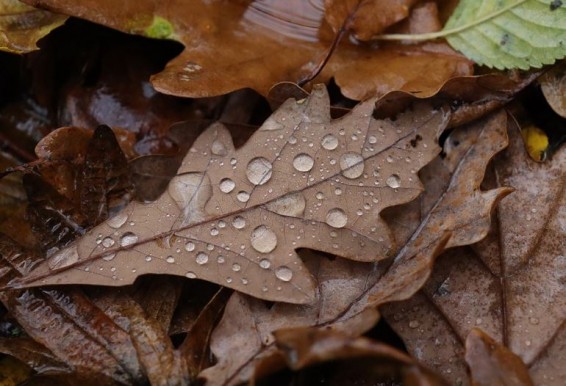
x: 511, y: 285
x: 21, y: 26
x: 343, y: 360
x: 236, y: 217
x: 349, y: 292
x: 553, y: 85
x: 267, y: 42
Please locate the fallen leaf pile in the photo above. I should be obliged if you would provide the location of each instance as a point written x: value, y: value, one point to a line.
x: 256, y: 226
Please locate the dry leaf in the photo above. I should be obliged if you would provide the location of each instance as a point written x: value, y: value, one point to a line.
x: 350, y: 291
x: 553, y: 85
x: 236, y: 217
x: 21, y: 26
x: 511, y: 284
x: 492, y: 364
x: 254, y: 44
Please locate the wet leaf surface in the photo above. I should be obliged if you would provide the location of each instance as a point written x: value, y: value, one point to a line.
x: 267, y: 42
x: 553, y: 85
x: 509, y: 285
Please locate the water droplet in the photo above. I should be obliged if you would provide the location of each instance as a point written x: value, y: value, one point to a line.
x: 336, y: 218
x: 109, y: 257
x: 263, y: 239
x: 191, y: 275
x: 118, y: 220
x: 202, y: 258
x: 233, y: 161
x: 259, y: 171
x: 389, y: 159
x: 265, y: 264
x: 303, y: 162
x: 320, y: 195
x: 190, y: 246
x: 352, y: 165
x: 218, y: 148
x: 414, y: 324
x: 210, y: 247
x: 527, y: 343
x: 290, y: 205
x: 227, y: 185
x: 292, y: 140
x: 107, y: 242
x: 214, y: 232
x: 372, y: 139
x: 329, y: 142
x: 228, y: 280
x: 128, y: 238
x: 170, y: 259
x: 337, y: 191
x: 243, y: 196
x: 284, y: 273
x: 192, y: 67
x: 245, y: 281
x: 393, y: 181
x: 236, y: 267
x: 221, y: 224
x: 148, y: 258
x: 220, y: 259
x: 238, y: 222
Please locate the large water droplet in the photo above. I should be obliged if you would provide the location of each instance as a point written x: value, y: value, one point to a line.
x: 263, y: 239
x: 107, y: 242
x: 352, y: 165
x: 290, y: 205
x: 265, y: 264
x: 336, y: 218
x: 243, y: 196
x: 329, y: 142
x: 284, y: 273
x: 238, y: 222
x: 259, y: 171
x: 393, y: 181
x: 128, y: 238
x: 227, y: 185
x: 303, y: 162
x: 118, y: 220
x: 202, y: 258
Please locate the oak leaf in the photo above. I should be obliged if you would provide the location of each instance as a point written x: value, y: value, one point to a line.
x: 511, y: 285
x: 255, y: 44
x: 236, y: 217
x: 349, y: 292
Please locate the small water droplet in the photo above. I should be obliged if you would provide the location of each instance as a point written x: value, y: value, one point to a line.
x: 258, y: 171
x: 109, y: 257
x: 233, y: 161
x: 394, y: 181
x: 202, y: 258
x: 218, y: 148
x: 220, y: 259
x: 107, y: 242
x: 352, y: 165
x: 414, y: 324
x: 320, y: 195
x: 210, y: 247
x: 372, y: 139
x: 337, y: 191
x: 527, y: 343
x: 190, y: 246
x: 191, y: 275
x: 148, y: 258
x: 192, y: 67
x: 245, y: 281
x: 221, y: 224
x: 238, y: 222
x: 292, y: 140
x: 329, y: 142
x: 336, y: 218
x: 170, y: 259
x: 118, y: 220
x: 128, y: 238
x: 227, y: 185
x: 228, y: 280
x: 263, y: 239
x: 243, y: 196
x: 265, y: 264
x: 303, y: 162
x: 214, y: 232
x: 389, y: 159
x: 284, y: 273
x: 236, y: 267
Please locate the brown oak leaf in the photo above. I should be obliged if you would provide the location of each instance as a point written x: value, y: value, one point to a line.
x: 236, y: 217
x: 511, y: 285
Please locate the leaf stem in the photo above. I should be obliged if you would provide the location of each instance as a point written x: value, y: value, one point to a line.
x: 446, y: 32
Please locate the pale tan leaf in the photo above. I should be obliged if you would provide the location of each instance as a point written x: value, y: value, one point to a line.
x: 236, y: 217
x: 553, y: 86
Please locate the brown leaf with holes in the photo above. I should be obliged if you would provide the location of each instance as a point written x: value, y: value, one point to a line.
x: 236, y: 217
x: 511, y: 285
x: 337, y: 359
x: 21, y: 26
x: 263, y: 43
x: 456, y: 213
x: 491, y: 364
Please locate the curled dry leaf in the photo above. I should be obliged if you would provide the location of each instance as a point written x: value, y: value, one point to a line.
x: 236, y: 217
x: 352, y: 360
x: 21, y: 26
x: 553, y: 85
x: 511, y: 284
x: 255, y: 44
x: 492, y: 364
x: 349, y: 292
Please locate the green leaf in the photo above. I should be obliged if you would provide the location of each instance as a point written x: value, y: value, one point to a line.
x: 504, y: 34
x: 509, y: 33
